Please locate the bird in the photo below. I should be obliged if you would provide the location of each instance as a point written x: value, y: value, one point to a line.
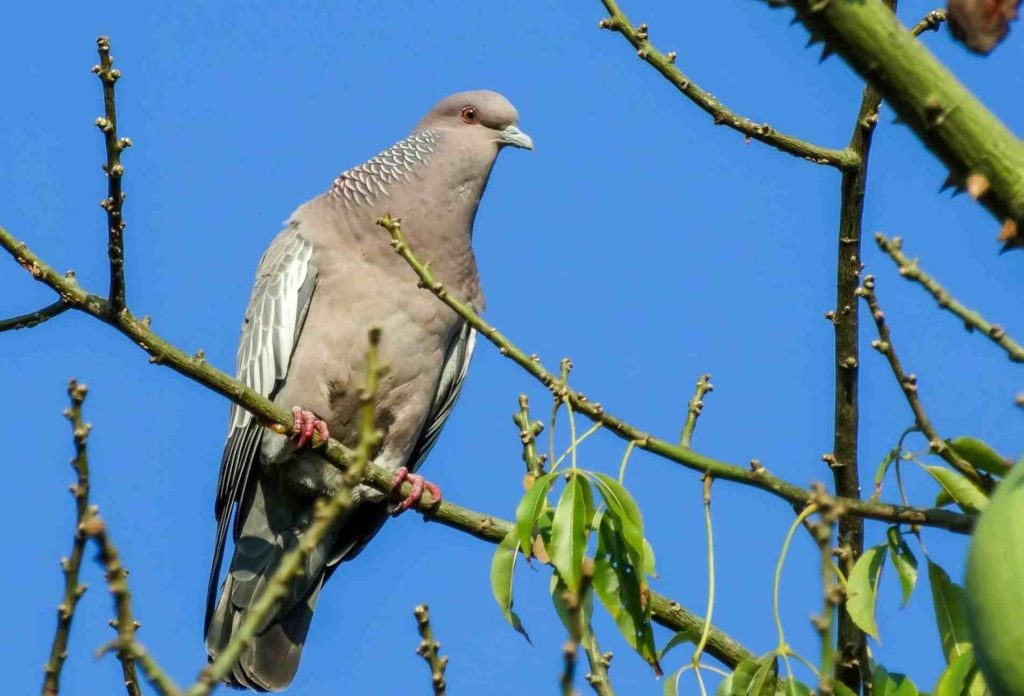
x: 324, y: 280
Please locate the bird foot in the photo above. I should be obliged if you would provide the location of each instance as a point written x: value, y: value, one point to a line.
x: 418, y: 485
x: 306, y: 423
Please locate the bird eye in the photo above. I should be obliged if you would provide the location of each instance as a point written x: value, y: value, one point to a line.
x: 469, y: 115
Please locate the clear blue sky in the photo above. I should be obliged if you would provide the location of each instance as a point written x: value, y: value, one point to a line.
x: 638, y: 238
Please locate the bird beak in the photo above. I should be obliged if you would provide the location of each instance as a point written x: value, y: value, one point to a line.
x: 510, y: 135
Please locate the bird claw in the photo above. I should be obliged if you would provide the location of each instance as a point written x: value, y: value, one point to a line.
x: 306, y: 423
x: 419, y: 484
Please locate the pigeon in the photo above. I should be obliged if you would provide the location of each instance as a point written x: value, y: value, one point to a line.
x: 327, y: 278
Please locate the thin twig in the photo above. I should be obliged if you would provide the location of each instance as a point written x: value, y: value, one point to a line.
x: 664, y: 63
x: 973, y: 321
x: 599, y: 662
x: 114, y: 202
x: 930, y: 22
x: 117, y: 582
x: 757, y: 477
x: 293, y: 563
x: 908, y: 383
x: 31, y: 319
x: 71, y: 565
x: 832, y: 596
x: 694, y: 408
x: 528, y: 432
x: 429, y: 650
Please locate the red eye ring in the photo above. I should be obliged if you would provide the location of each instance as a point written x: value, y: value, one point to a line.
x: 469, y: 115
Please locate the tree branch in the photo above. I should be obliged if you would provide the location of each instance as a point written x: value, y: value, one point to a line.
x: 852, y: 657
x: 117, y: 581
x: 694, y: 408
x: 908, y: 383
x: 71, y: 565
x: 756, y: 476
x: 722, y: 115
x: 972, y: 319
x: 947, y: 118
x: 114, y: 202
x: 27, y: 321
x: 429, y: 650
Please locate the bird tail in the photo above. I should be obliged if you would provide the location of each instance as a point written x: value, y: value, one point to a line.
x: 273, y: 523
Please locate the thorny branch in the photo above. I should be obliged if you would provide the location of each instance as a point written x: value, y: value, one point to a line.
x: 908, y: 383
x: 429, y: 650
x: 664, y: 63
x: 950, y: 121
x: 909, y: 269
x: 756, y: 476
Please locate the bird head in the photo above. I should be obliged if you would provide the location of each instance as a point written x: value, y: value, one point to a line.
x: 482, y: 115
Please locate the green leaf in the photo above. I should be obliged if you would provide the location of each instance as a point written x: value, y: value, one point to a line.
x: 678, y: 639
x: 763, y: 682
x: 904, y: 561
x: 792, y: 687
x: 617, y: 584
x: 942, y: 498
x: 862, y: 589
x: 502, y: 566
x: 892, y: 684
x: 953, y: 681
x: 968, y: 496
x: 558, y: 590
x: 950, y: 617
x: 741, y: 681
x: 883, y: 469
x: 980, y: 455
x: 621, y: 504
x: 841, y: 689
x: 569, y: 532
x: 530, y: 507
x: 649, y: 568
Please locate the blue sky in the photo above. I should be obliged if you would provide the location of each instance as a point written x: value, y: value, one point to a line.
x: 639, y: 239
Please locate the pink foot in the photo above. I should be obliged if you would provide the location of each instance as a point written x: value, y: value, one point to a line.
x: 418, y: 485
x: 306, y: 423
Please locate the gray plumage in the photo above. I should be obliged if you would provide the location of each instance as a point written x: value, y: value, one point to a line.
x: 324, y: 280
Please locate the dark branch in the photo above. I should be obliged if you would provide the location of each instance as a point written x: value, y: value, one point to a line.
x: 27, y: 321
x: 114, y: 202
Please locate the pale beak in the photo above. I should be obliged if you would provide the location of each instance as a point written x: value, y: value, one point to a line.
x: 510, y: 135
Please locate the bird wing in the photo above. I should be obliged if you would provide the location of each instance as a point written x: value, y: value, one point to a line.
x: 367, y: 519
x: 273, y: 321
x: 453, y: 374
